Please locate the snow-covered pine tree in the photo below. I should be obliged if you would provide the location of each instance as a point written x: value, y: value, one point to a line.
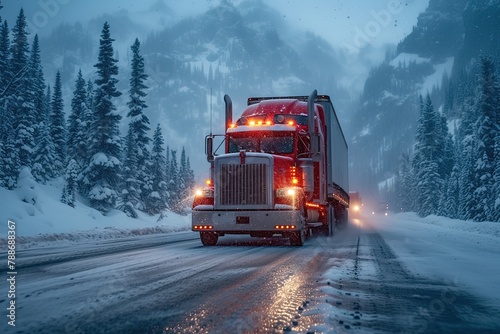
x: 186, y: 179
x: 45, y: 151
x: 452, y: 195
x: 5, y: 70
x: 89, y: 117
x: 156, y: 199
x: 77, y: 131
x: 427, y: 149
x: 7, y: 172
x: 21, y: 88
x: 8, y: 153
x: 167, y: 163
x: 487, y: 107
x: 101, y: 178
x: 482, y: 195
x: 430, y: 184
x: 70, y: 183
x: 173, y: 183
x: 467, y: 204
x: 444, y: 147
x: 58, y: 127
x: 496, y: 190
x: 38, y: 83
x: 183, y: 176
x: 131, y: 194
x: 405, y: 184
x: 190, y: 179
x: 138, y: 139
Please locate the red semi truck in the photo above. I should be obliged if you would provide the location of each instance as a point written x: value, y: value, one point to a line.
x: 283, y: 172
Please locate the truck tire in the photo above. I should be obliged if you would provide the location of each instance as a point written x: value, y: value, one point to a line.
x: 298, y: 238
x: 209, y: 238
x: 342, y: 219
x: 331, y: 221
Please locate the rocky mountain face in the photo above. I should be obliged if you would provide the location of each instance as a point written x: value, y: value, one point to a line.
x: 481, y: 25
x: 439, y: 31
x: 449, y: 35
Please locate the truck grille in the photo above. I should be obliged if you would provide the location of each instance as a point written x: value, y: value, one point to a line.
x: 243, y: 184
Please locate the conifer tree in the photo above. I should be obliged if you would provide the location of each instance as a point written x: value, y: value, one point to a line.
x: 173, y: 183
x: 487, y: 108
x: 8, y: 153
x: 190, y: 183
x: 131, y: 192
x: 167, y: 163
x: 452, y: 195
x: 101, y: 178
x: 20, y: 86
x: 427, y: 149
x: 89, y: 118
x: 496, y: 190
x: 137, y: 136
x: 183, y: 173
x: 186, y: 179
x: 45, y: 153
x: 38, y: 83
x: 156, y: 199
x: 405, y: 184
x: 70, y: 183
x: 58, y: 127
x: 5, y: 70
x: 467, y: 205
x: 77, y: 131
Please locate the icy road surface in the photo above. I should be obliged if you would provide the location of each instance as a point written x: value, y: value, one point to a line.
x: 350, y: 283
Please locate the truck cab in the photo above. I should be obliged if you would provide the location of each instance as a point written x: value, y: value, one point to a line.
x: 272, y: 178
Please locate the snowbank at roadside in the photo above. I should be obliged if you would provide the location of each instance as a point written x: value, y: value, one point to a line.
x: 463, y: 253
x: 40, y: 217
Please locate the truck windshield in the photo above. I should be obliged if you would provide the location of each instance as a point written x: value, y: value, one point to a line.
x: 265, y: 144
x: 247, y: 144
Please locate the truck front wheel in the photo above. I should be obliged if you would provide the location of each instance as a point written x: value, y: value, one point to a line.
x: 209, y: 238
x: 298, y: 238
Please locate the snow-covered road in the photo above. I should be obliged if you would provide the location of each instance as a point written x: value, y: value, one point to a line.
x: 369, y: 278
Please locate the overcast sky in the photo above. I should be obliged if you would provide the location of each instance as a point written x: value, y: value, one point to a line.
x: 351, y: 26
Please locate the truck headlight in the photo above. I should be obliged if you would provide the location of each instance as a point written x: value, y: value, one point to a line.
x: 206, y: 192
x: 286, y: 192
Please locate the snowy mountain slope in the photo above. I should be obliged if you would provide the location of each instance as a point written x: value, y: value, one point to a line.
x: 242, y: 50
x: 448, y: 36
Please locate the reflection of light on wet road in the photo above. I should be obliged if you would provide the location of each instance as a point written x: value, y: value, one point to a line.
x: 284, y: 304
x: 290, y: 300
x: 271, y: 300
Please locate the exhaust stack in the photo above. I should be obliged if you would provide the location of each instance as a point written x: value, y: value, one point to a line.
x: 312, y: 130
x: 229, y: 112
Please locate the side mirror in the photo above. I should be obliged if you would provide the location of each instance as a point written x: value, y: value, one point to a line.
x: 209, y: 148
